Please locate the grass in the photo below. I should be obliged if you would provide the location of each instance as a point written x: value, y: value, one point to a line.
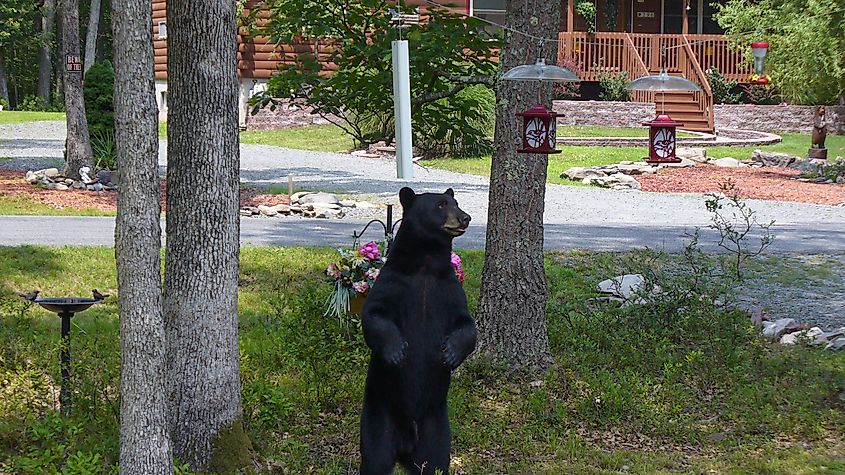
x: 17, y: 117
x: 25, y: 206
x: 319, y: 138
x: 696, y: 393
x: 598, y: 131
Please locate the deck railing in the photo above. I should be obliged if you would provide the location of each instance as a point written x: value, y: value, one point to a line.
x: 606, y: 52
x: 688, y: 66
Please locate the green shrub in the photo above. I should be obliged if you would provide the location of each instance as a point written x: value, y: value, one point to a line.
x: 587, y: 10
x: 98, y: 90
x: 723, y: 88
x: 441, y: 134
x: 613, y: 86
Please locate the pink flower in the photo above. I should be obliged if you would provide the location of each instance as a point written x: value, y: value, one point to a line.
x: 373, y: 273
x: 361, y: 287
x: 458, y: 267
x: 370, y: 251
x: 333, y: 271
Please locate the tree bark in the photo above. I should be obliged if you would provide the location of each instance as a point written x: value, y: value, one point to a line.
x: 144, y: 442
x: 511, y: 311
x: 201, y: 276
x: 78, y: 143
x: 4, y: 84
x: 91, y: 34
x: 45, y: 52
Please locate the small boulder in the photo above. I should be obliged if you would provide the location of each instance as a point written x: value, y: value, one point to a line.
x: 778, y: 328
x: 773, y: 159
x: 31, y: 177
x: 684, y: 163
x: 627, y: 287
x: 580, y: 173
x: 61, y: 187
x: 365, y: 205
x: 281, y: 208
x: 267, y: 210
x: 313, y: 198
x: 294, y: 198
x: 836, y: 345
x: 49, y: 172
x: 695, y: 154
x: 728, y: 162
x: 347, y: 203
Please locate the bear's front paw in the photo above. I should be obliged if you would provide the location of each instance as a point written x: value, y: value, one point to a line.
x: 395, y: 354
x: 451, y: 357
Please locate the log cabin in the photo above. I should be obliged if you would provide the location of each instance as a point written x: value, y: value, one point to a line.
x: 638, y: 37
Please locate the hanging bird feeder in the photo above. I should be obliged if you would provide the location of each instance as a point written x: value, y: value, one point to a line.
x: 759, y: 50
x: 539, y: 125
x: 661, y: 130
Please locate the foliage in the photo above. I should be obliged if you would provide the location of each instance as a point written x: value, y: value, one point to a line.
x: 587, y: 10
x: 447, y: 53
x: 33, y: 103
x: 761, y: 93
x: 613, y: 86
x: 806, y: 43
x: 475, y: 106
x: 568, y: 90
x: 98, y: 90
x: 722, y: 88
x: 735, y: 221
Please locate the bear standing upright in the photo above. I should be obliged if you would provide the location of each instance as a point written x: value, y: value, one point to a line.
x: 416, y: 323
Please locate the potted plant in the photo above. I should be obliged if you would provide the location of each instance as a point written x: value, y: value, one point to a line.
x: 355, y: 273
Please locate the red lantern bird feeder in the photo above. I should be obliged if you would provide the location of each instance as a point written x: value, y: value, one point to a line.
x: 539, y: 130
x: 661, y: 140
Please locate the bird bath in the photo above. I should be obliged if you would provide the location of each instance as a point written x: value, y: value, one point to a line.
x: 65, y: 307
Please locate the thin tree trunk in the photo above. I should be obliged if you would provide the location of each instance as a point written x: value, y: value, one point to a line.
x: 511, y: 311
x: 201, y: 276
x: 4, y: 85
x: 78, y: 144
x: 144, y: 442
x: 58, y: 64
x: 45, y: 52
x: 91, y: 34
x: 14, y: 76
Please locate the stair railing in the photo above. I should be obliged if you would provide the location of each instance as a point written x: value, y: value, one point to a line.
x: 636, y: 66
x: 689, y: 67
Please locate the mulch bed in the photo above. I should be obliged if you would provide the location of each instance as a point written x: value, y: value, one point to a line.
x: 766, y: 183
x: 13, y: 184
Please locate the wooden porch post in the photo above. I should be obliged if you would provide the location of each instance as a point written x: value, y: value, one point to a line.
x: 570, y: 25
x: 685, y: 27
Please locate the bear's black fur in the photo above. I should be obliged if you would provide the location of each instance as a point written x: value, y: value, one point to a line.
x: 415, y: 321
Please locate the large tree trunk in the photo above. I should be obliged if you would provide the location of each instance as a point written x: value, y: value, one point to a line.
x: 91, y: 35
x: 201, y: 276
x: 4, y: 83
x: 45, y: 52
x: 78, y: 143
x: 144, y: 442
x: 511, y: 309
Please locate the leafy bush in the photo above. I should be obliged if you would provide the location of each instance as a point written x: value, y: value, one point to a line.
x: 764, y: 94
x: 98, y: 90
x: 474, y: 106
x: 447, y: 54
x: 587, y: 10
x: 34, y: 103
x: 613, y: 86
x: 722, y: 88
x: 568, y: 90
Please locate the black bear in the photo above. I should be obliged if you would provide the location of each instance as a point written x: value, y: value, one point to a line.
x: 415, y: 321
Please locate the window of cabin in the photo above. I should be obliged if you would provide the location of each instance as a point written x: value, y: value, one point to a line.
x: 162, y: 30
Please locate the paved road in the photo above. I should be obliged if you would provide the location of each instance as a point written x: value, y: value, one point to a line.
x: 574, y: 216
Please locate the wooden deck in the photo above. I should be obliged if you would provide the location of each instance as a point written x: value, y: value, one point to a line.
x: 642, y: 54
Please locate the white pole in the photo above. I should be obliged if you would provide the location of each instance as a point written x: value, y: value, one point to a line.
x: 402, y: 110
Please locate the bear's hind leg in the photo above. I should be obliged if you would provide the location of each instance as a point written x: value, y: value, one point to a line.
x: 432, y: 450
x: 379, y: 441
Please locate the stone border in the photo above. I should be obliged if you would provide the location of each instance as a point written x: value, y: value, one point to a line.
x: 726, y: 137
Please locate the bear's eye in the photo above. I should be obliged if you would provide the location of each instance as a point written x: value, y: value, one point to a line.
x: 441, y: 205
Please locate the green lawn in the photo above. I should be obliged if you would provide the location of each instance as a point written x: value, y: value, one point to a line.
x: 25, y: 206
x: 677, y: 388
x: 17, y: 117
x: 320, y: 138
x: 596, y: 131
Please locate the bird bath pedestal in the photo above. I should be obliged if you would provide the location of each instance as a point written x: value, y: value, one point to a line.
x: 65, y: 307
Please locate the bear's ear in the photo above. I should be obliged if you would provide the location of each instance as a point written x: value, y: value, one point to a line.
x: 406, y: 197
x: 450, y: 192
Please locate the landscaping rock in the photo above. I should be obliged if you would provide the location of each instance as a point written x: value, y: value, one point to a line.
x: 294, y: 198
x: 836, y: 345
x: 49, y: 172
x: 617, y: 181
x: 580, y: 173
x: 778, y: 328
x: 773, y: 159
x: 695, y: 154
x: 365, y: 205
x: 95, y: 187
x: 61, y: 186
x: 347, y: 203
x: 314, y: 198
x: 810, y: 335
x: 78, y: 185
x: 246, y: 212
x: 281, y: 208
x: 684, y: 163
x: 328, y: 213
x: 267, y: 210
x: 31, y: 177
x: 623, y: 286
x: 728, y: 162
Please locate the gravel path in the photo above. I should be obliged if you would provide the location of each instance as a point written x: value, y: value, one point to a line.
x: 574, y: 216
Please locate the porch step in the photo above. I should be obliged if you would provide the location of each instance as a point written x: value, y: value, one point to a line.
x: 682, y: 106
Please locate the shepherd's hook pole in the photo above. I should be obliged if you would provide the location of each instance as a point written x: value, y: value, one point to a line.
x: 402, y: 110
